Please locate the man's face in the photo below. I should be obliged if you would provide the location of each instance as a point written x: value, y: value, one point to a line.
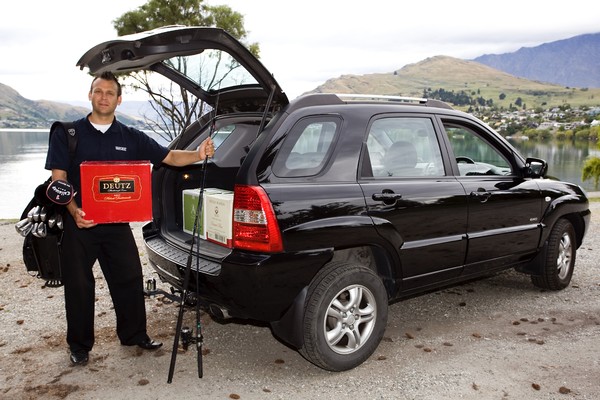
x: 104, y: 98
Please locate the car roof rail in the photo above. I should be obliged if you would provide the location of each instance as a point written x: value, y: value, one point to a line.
x: 396, y: 99
x: 380, y: 97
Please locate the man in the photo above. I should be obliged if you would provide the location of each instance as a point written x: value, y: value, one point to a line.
x: 100, y: 137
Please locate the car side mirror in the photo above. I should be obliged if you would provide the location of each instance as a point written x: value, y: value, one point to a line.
x: 535, y: 167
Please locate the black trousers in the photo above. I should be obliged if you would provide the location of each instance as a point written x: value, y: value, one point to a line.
x: 113, y: 245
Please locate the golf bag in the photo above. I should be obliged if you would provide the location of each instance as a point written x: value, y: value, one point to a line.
x: 41, y: 224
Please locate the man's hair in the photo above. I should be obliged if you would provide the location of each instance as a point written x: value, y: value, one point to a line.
x: 107, y: 76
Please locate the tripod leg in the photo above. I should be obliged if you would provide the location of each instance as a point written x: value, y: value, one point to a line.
x: 176, y: 339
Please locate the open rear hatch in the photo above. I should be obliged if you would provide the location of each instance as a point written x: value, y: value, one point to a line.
x: 208, y: 62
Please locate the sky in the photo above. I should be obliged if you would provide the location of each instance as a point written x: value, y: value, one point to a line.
x: 303, y: 43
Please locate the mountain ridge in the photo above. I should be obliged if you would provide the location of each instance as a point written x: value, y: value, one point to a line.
x: 17, y: 111
x: 572, y: 62
x: 461, y: 76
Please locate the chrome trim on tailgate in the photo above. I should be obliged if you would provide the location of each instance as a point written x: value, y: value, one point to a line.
x: 180, y: 257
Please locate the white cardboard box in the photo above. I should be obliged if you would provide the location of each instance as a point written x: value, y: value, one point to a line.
x: 218, y: 213
x: 190, y: 204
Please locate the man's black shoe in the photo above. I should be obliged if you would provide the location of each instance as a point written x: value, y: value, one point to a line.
x: 79, y: 357
x: 149, y: 344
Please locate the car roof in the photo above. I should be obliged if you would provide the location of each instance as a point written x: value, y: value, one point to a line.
x: 324, y: 99
x: 239, y: 77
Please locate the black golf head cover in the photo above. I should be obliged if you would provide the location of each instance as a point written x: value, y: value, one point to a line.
x: 60, y: 192
x: 40, y: 195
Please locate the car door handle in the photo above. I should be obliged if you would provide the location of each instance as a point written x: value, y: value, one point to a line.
x: 481, y: 194
x: 386, y: 197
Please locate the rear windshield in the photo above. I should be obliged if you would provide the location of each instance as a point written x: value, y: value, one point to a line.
x: 212, y: 70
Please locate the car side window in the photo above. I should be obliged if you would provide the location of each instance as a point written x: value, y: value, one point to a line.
x: 474, y: 155
x: 307, y: 147
x: 403, y: 147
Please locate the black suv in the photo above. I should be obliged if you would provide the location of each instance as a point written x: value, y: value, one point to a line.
x: 335, y: 205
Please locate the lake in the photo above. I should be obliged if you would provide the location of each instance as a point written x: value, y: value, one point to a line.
x: 23, y: 154
x: 22, y: 159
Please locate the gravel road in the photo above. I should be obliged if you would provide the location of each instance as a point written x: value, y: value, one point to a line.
x: 495, y: 338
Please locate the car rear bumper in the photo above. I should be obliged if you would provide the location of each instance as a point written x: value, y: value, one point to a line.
x: 243, y: 284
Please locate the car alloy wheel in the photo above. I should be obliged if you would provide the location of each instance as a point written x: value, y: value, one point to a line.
x: 350, y: 319
x: 345, y: 316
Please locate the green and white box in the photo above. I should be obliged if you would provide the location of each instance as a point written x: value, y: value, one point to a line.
x: 190, y: 204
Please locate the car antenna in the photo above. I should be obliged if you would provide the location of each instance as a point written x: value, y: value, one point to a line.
x: 185, y: 333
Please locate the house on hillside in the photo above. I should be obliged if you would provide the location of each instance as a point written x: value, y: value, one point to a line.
x: 548, y: 125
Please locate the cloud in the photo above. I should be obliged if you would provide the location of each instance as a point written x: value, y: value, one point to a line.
x: 303, y: 43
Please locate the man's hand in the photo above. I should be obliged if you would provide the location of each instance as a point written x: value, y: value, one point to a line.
x: 79, y: 217
x: 181, y: 158
x: 207, y: 148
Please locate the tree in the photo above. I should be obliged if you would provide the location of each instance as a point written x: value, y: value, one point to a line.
x: 519, y: 102
x: 175, y: 107
x: 591, y: 170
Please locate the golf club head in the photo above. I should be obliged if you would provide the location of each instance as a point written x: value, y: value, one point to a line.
x: 43, y: 214
x: 59, y: 222
x: 19, y: 225
x: 23, y: 227
x: 34, y: 229
x: 30, y: 214
x: 41, y: 230
x: 36, y: 213
x: 26, y: 229
x: 52, y: 221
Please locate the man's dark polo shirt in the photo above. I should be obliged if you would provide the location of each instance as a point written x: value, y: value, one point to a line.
x: 118, y: 143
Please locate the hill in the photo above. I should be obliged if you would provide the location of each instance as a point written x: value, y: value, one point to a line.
x: 461, y: 76
x: 552, y: 74
x: 570, y: 62
x: 18, y: 112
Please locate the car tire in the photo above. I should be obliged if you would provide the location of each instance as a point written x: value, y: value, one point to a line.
x: 557, y: 271
x: 345, y: 316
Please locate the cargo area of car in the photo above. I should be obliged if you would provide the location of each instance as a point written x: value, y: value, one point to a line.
x: 233, y: 136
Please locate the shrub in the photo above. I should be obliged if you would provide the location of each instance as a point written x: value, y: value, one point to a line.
x: 591, y: 170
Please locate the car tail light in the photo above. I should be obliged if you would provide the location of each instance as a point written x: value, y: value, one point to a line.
x: 254, y: 224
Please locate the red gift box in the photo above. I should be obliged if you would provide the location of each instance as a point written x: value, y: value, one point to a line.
x: 116, y: 191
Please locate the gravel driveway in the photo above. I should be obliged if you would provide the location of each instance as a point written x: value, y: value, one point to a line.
x: 495, y: 338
